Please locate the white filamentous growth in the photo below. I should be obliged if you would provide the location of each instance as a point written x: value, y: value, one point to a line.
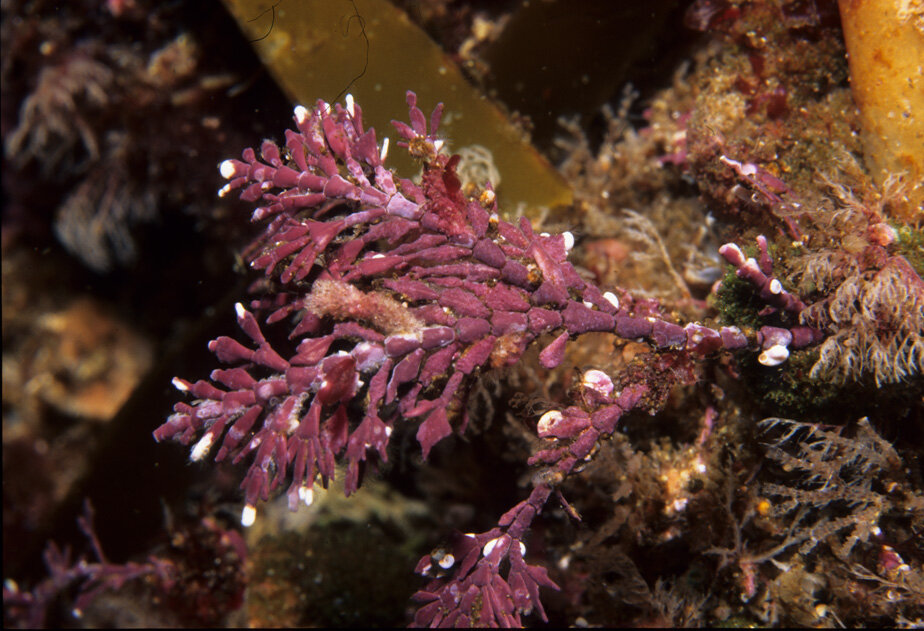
x: 350, y: 105
x: 733, y: 250
x: 752, y: 266
x: 248, y: 516
x: 227, y: 169
x: 547, y: 421
x: 774, y: 356
x: 489, y: 546
x: 306, y: 495
x: 598, y: 381
x: 201, y: 448
x: 384, y: 152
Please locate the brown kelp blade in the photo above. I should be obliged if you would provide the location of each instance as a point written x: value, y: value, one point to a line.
x: 318, y: 49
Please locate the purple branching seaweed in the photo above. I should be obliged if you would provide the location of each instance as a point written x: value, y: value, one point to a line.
x: 400, y: 293
x: 29, y: 609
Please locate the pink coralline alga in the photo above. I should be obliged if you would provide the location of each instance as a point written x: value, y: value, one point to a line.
x: 399, y: 293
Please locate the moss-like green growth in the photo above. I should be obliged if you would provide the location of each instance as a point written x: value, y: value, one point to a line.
x: 788, y: 390
x: 343, y: 575
x: 740, y: 305
x: 738, y: 621
x: 911, y: 246
x: 736, y: 302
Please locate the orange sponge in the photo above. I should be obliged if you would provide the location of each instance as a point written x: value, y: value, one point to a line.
x: 885, y: 45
